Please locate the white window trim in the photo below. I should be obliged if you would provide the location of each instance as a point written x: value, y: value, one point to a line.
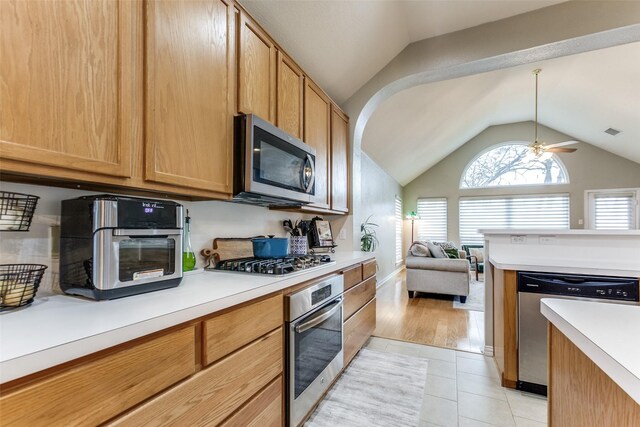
x: 486, y: 150
x: 589, y: 195
x: 396, y: 218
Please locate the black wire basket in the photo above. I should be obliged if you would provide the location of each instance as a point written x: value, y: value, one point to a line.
x: 19, y: 284
x: 16, y: 211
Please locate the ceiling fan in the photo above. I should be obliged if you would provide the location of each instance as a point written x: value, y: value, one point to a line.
x: 538, y: 147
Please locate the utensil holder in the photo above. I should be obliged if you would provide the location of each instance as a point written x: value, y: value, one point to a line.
x: 16, y: 211
x: 19, y: 284
x: 299, y: 245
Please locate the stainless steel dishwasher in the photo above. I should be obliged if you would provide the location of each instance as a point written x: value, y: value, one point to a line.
x: 532, y: 325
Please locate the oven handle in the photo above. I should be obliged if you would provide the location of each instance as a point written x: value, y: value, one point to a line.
x: 324, y: 316
x: 147, y: 232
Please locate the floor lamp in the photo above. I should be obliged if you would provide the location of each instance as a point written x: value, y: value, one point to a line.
x: 412, y: 216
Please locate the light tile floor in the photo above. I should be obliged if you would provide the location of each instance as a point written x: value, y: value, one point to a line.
x: 463, y: 389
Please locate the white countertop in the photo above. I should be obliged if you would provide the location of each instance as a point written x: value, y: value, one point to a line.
x: 59, y: 328
x: 609, y: 334
x: 560, y: 232
x: 565, y: 265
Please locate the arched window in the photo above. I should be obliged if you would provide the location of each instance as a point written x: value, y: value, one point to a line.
x: 513, y: 164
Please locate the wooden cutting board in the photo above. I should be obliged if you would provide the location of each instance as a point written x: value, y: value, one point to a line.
x: 229, y: 248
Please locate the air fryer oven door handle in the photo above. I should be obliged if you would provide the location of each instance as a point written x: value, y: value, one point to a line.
x: 317, y: 320
x: 148, y: 232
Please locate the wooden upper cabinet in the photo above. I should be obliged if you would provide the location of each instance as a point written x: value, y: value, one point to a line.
x: 317, y: 118
x: 339, y: 161
x: 68, y: 84
x: 290, y: 88
x: 256, y: 70
x: 188, y: 106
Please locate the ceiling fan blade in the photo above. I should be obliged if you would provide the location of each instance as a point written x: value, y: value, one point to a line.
x: 560, y: 150
x: 561, y: 144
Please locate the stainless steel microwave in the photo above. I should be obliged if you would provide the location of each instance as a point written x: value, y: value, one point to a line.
x: 272, y: 168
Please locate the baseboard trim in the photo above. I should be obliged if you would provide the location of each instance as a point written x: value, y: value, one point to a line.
x: 386, y: 279
x: 488, y: 350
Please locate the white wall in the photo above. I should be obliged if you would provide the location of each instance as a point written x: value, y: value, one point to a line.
x: 378, y: 192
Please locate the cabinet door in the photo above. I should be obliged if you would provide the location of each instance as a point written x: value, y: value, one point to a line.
x: 317, y: 112
x: 68, y: 83
x: 289, y: 96
x: 357, y: 330
x: 188, y: 138
x: 256, y: 71
x: 339, y: 161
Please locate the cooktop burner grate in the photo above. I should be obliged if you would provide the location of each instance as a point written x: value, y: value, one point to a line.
x: 276, y: 266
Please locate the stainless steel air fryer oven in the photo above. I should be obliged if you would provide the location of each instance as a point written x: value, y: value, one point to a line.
x: 112, y: 246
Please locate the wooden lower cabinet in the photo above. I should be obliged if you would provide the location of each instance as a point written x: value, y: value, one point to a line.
x: 369, y: 269
x: 263, y: 410
x: 580, y: 393
x: 357, y: 330
x: 93, y: 392
x: 352, y: 276
x: 358, y: 296
x: 505, y: 323
x: 213, y: 394
x: 230, y: 331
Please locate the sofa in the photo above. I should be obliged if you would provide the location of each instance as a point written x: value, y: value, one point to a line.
x: 438, y: 275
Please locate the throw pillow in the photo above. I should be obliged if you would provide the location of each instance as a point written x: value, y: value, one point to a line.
x: 436, y: 251
x: 452, y: 253
x: 419, y: 249
x: 478, y: 253
x: 446, y: 245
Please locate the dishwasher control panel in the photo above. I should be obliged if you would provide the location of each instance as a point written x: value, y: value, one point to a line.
x: 586, y: 286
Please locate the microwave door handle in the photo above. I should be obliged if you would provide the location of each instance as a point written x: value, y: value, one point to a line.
x: 317, y: 320
x: 309, y: 185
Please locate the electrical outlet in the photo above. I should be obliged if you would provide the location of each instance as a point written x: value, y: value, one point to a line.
x: 54, y: 239
x: 342, y: 235
x: 580, y: 221
x: 519, y: 240
x: 548, y: 240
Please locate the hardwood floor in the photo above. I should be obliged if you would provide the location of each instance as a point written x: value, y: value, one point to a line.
x: 427, y: 319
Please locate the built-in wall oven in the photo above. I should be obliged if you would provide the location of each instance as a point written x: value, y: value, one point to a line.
x: 314, y: 344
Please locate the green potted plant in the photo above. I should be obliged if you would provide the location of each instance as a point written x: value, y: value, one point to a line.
x: 368, y: 238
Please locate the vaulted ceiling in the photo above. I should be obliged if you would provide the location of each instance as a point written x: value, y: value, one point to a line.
x: 580, y: 95
x: 343, y: 43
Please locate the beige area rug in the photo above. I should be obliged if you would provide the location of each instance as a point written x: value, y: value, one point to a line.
x: 475, y: 300
x: 377, y: 389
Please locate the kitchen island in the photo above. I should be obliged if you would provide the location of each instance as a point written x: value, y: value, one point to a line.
x: 594, y: 363
x: 590, y: 252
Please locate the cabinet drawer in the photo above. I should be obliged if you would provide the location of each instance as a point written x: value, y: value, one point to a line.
x: 214, y: 393
x: 94, y: 392
x: 358, y: 296
x: 228, y: 332
x: 368, y: 269
x: 358, y: 329
x: 352, y: 276
x: 263, y: 410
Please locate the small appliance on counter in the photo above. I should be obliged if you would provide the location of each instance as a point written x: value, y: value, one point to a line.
x: 272, y: 167
x: 113, y: 246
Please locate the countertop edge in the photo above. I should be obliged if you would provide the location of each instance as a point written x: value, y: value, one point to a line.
x: 35, y: 362
x: 625, y: 379
x: 546, y: 268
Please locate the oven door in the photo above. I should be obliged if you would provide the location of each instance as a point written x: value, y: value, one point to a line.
x: 315, y: 357
x: 277, y: 164
x: 136, y: 257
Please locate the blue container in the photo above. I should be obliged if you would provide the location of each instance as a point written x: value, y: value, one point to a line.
x: 273, y: 247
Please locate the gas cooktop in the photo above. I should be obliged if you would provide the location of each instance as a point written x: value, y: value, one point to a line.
x: 275, y: 266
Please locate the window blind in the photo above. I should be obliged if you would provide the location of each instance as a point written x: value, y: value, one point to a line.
x: 540, y: 211
x: 432, y: 224
x: 398, y: 216
x: 614, y: 211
